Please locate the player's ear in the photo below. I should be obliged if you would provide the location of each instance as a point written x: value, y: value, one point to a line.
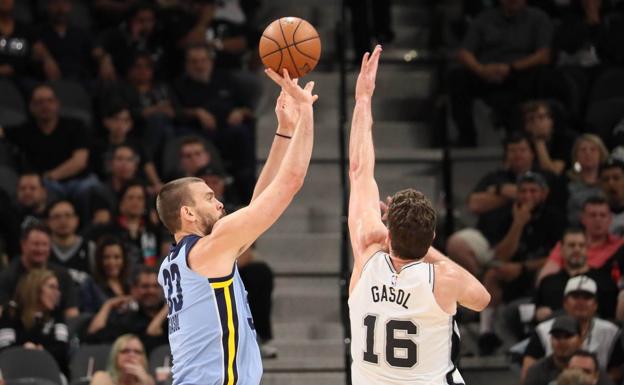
x: 186, y: 214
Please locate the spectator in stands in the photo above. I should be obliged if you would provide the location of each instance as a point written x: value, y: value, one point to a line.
x: 210, y: 106
x: 501, y: 54
x: 588, y: 363
x: 70, y: 46
x: 55, y: 147
x: 32, y: 199
x: 32, y: 322
x: 21, y: 50
x: 529, y: 230
x: 195, y: 153
x: 119, y: 130
x: 258, y: 279
x: 69, y: 249
x: 154, y: 103
x: 599, y: 336
x: 127, y: 364
x: 494, y: 191
x: 549, y: 294
x: 35, y: 245
x: 588, y: 153
x: 118, y: 45
x: 216, y: 179
x: 9, y: 228
x: 612, y: 182
x: 225, y: 38
x: 565, y: 339
x: 124, y: 165
x: 552, y: 144
x: 110, y: 275
x: 144, y: 313
x: 142, y: 238
x: 602, y: 246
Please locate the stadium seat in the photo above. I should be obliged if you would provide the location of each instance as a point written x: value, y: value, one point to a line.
x: 12, y: 106
x: 602, y: 116
x: 20, y: 363
x: 158, y: 358
x: 608, y: 85
x: 77, y: 325
x: 22, y: 12
x: 8, y: 179
x: 87, y: 360
x: 75, y: 101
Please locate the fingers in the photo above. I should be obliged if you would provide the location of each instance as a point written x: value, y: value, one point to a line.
x: 275, y: 77
x: 374, y: 60
x: 314, y: 98
x: 309, y: 86
x: 286, y: 76
x: 364, y: 61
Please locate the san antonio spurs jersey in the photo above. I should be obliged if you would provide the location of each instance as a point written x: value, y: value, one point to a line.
x: 399, y: 334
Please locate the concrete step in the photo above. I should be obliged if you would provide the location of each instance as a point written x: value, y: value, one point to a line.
x: 412, y: 36
x: 307, y: 355
x: 399, y: 135
x: 310, y: 299
x: 303, y: 330
x: 301, y: 252
x: 303, y: 378
x: 404, y: 15
x: 306, y: 217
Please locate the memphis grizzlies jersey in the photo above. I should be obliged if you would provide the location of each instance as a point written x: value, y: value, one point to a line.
x: 211, y: 331
x: 399, y: 334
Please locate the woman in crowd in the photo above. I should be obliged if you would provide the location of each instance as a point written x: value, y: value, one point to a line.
x: 127, y: 364
x: 110, y: 275
x: 31, y: 320
x: 588, y: 153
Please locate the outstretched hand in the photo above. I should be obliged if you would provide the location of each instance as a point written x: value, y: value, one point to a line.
x: 368, y: 73
x: 290, y: 86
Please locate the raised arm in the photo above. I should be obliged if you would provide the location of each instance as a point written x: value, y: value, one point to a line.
x: 287, y: 112
x: 366, y: 229
x: 234, y: 233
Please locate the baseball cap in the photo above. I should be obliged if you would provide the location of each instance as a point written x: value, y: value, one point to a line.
x: 532, y: 177
x: 580, y: 283
x: 566, y: 324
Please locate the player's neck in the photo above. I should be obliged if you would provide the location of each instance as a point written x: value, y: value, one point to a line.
x: 399, y: 263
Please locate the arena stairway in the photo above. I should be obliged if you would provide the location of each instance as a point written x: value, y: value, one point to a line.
x: 303, y: 247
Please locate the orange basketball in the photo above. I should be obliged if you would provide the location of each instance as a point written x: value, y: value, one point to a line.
x: 291, y: 43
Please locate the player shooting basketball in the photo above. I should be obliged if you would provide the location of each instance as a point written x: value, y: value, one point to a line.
x: 403, y: 293
x: 210, y: 325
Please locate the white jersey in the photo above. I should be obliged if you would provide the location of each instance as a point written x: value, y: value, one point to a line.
x: 399, y: 333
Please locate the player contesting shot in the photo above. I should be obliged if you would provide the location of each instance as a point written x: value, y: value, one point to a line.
x: 403, y: 293
x: 211, y: 330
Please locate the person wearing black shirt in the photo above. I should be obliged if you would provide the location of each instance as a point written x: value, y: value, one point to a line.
x: 69, y: 249
x: 31, y: 320
x: 55, y: 147
x: 35, y: 243
x: 209, y: 104
x: 32, y: 198
x: 143, y: 314
x: 549, y: 293
x: 70, y: 46
x: 612, y: 183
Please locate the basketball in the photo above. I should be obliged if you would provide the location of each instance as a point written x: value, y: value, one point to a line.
x: 291, y: 43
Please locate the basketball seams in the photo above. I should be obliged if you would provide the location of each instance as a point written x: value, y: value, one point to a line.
x: 288, y: 49
x: 303, y: 53
x: 287, y: 46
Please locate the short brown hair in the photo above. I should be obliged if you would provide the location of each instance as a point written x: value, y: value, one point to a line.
x: 171, y: 198
x: 412, y: 223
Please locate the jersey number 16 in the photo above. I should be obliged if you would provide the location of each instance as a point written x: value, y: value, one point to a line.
x: 409, y: 347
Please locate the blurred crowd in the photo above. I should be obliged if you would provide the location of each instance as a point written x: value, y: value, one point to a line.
x: 101, y: 103
x: 547, y: 242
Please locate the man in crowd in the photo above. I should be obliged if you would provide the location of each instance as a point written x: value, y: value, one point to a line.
x: 35, y: 245
x: 32, y: 198
x: 549, y: 294
x: 588, y: 363
x: 612, y: 182
x: 210, y: 106
x: 69, y: 249
x: 528, y: 230
x: 602, y: 246
x: 565, y: 339
x: 501, y: 56
x: 143, y: 313
x: 195, y: 153
x: 495, y: 192
x: 599, y: 336
x: 55, y: 146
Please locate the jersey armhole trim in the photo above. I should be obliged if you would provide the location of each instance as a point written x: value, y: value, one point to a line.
x: 224, y: 278
x: 370, y: 259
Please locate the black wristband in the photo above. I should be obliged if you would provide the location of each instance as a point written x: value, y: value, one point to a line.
x: 283, y: 136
